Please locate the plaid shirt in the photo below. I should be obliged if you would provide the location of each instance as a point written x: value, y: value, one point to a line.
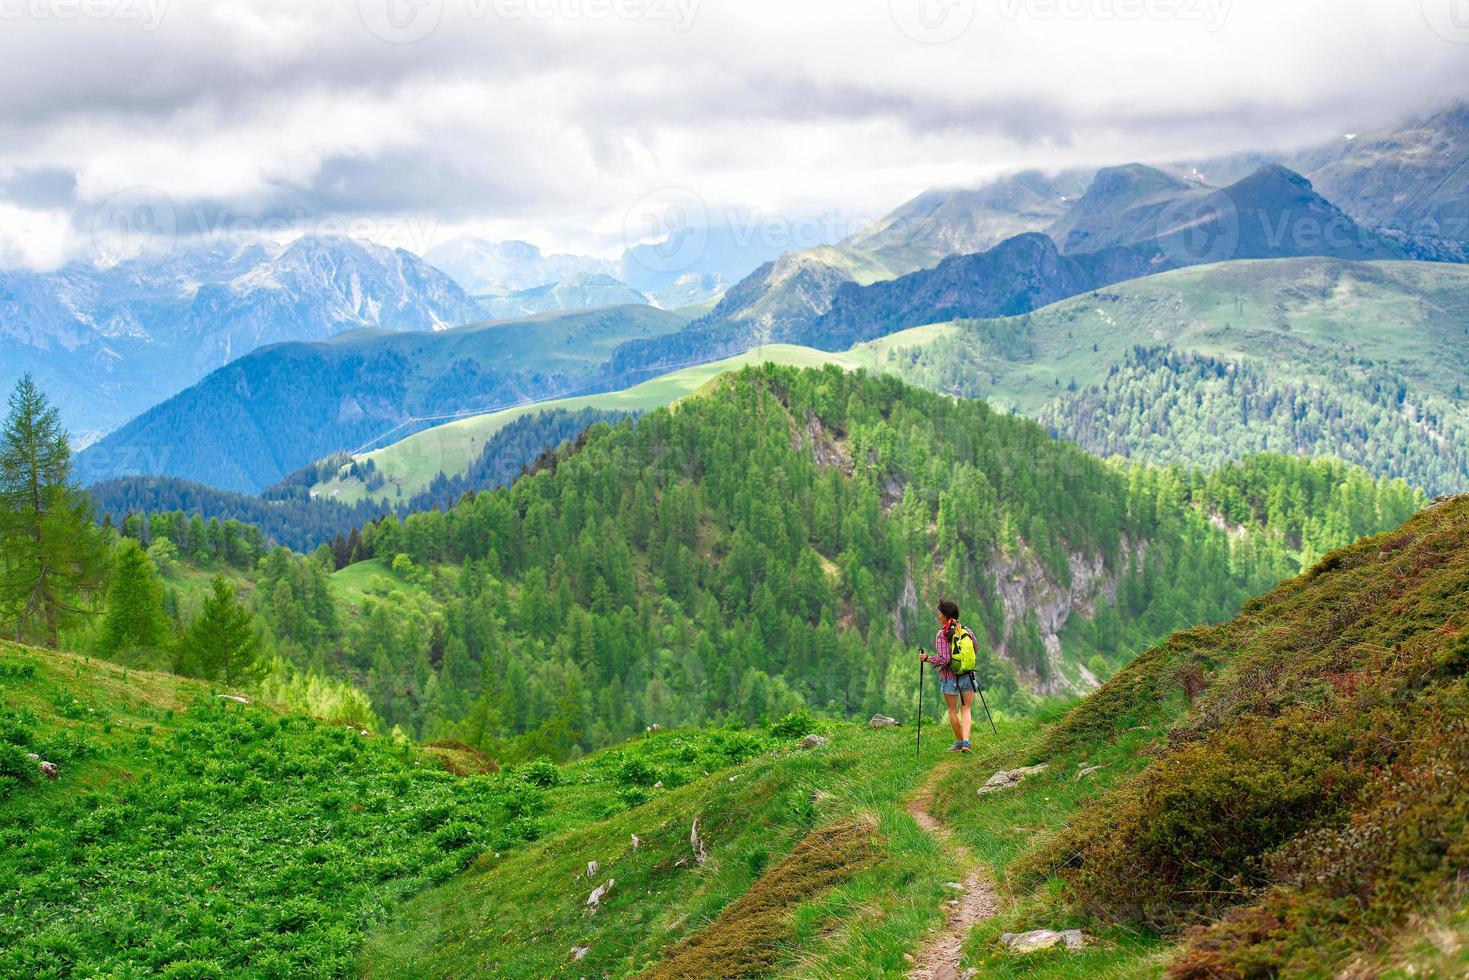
x: 942, y: 654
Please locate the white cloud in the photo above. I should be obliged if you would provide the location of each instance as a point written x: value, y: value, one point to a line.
x: 550, y: 128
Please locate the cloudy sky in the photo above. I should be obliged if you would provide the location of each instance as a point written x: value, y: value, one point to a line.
x: 559, y: 121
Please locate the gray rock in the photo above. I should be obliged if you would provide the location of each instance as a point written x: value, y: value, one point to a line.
x: 635, y: 842
x: 697, y: 843
x: 233, y: 697
x: 1086, y: 772
x: 592, y: 867
x: 598, y: 893
x: 48, y: 769
x: 881, y: 721
x: 1037, y: 939
x: 812, y: 741
x: 577, y: 952
x: 1006, y: 778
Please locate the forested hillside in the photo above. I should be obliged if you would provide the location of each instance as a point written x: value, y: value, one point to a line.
x: 1364, y: 361
x: 779, y: 541
x: 266, y: 415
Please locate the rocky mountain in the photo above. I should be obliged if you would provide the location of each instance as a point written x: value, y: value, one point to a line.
x: 1412, y: 179
x: 264, y: 415
x: 956, y: 221
x: 107, y: 342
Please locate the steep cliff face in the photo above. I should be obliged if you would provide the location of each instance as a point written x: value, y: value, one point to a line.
x: 1026, y: 589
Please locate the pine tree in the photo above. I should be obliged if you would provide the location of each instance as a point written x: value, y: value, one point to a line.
x: 52, y: 556
x: 221, y: 644
x: 134, y: 619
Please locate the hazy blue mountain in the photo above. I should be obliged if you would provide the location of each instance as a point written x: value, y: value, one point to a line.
x: 690, y: 289
x: 587, y: 291
x: 488, y: 268
x: 264, y: 415
x: 107, y: 343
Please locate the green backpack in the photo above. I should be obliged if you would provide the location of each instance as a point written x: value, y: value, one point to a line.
x: 963, y: 651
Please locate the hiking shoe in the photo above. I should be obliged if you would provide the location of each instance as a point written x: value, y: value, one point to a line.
x: 957, y: 747
x: 964, y: 746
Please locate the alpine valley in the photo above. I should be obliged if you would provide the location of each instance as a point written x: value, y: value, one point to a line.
x: 501, y: 612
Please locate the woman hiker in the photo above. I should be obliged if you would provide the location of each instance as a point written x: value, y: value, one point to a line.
x: 955, y: 654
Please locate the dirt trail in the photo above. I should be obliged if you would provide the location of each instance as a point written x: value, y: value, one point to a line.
x: 938, y: 957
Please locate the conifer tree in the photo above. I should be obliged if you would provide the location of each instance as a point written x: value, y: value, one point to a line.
x: 52, y: 555
x: 134, y: 619
x: 221, y: 644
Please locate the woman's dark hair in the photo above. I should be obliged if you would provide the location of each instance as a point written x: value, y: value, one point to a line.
x: 949, y: 608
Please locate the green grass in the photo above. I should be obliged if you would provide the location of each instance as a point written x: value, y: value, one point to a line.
x: 411, y: 464
x: 192, y: 836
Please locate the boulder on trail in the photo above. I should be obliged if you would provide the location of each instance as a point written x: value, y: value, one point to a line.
x: 1006, y: 778
x: 812, y: 741
x: 882, y: 721
x: 1029, y: 942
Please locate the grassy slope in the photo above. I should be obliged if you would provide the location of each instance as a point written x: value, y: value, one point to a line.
x: 191, y: 836
x: 410, y: 465
x: 525, y: 915
x: 1408, y: 315
x: 280, y: 844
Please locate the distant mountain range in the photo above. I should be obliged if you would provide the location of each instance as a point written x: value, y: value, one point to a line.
x: 1133, y: 221
x: 1012, y: 245
x: 106, y: 343
x: 248, y: 424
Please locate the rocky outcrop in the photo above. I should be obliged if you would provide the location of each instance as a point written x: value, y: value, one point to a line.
x: 1026, y: 588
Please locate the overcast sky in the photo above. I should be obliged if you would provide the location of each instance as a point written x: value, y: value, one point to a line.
x: 557, y: 121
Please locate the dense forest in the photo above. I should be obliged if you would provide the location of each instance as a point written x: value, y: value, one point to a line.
x: 1168, y: 407
x: 778, y: 543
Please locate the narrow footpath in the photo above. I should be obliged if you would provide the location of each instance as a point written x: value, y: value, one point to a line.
x: 938, y: 957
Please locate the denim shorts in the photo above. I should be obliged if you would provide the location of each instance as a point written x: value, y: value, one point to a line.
x: 953, y: 685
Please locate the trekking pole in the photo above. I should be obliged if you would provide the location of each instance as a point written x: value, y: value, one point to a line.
x: 919, y: 745
x: 986, y: 709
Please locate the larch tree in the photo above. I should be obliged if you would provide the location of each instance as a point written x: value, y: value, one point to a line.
x: 52, y: 554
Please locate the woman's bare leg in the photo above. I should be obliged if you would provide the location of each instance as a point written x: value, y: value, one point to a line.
x: 967, y: 703
x: 953, y: 701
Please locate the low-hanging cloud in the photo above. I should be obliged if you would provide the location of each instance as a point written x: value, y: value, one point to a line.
x: 549, y: 119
